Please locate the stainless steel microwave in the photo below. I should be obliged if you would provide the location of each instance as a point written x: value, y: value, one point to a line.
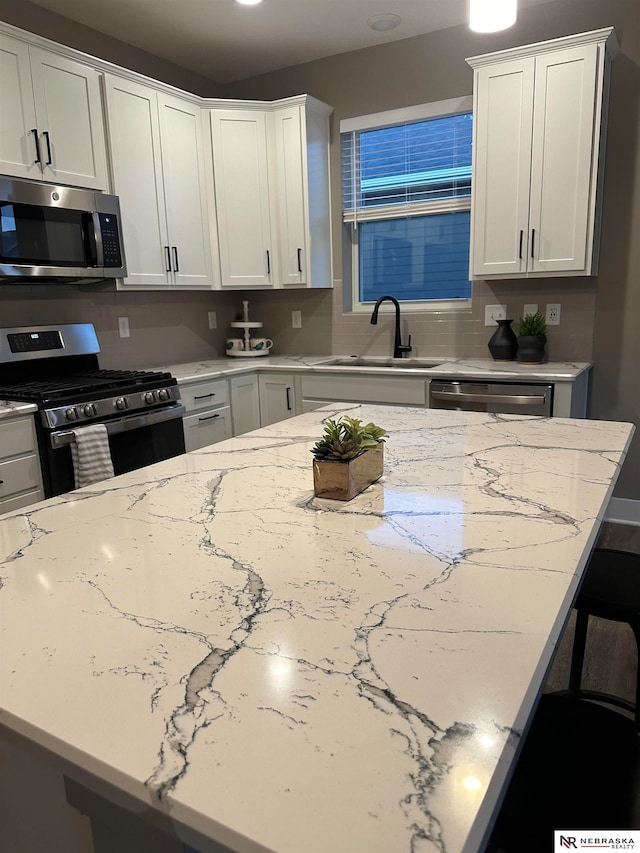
x: 58, y: 233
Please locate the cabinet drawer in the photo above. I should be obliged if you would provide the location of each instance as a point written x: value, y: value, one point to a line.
x: 207, y: 427
x: 19, y: 475
x: 204, y: 395
x: 17, y: 437
x: 365, y: 389
x: 21, y: 500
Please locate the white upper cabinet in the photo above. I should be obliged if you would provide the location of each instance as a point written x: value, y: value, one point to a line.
x: 271, y: 166
x: 301, y: 190
x: 52, y: 127
x: 539, y: 131
x: 240, y: 161
x: 160, y: 174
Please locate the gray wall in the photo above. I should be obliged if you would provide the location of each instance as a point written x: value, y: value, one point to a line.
x: 599, y: 316
x: 42, y: 22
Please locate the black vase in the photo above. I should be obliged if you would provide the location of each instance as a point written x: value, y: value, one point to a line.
x: 503, y: 344
x: 531, y: 349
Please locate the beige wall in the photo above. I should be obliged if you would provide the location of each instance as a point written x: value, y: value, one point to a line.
x: 599, y: 316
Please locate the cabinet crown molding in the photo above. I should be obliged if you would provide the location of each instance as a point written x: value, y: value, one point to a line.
x: 606, y: 36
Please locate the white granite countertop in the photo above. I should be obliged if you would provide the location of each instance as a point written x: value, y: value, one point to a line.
x: 455, y: 368
x: 288, y: 674
x: 12, y: 410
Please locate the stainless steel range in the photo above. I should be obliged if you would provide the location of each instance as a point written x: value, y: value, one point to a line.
x: 56, y: 368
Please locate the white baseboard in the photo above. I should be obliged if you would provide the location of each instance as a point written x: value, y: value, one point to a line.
x: 623, y: 511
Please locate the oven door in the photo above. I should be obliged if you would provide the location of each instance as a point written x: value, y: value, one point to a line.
x: 135, y: 441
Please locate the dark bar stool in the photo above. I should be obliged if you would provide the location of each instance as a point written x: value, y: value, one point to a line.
x: 579, y: 769
x: 610, y: 590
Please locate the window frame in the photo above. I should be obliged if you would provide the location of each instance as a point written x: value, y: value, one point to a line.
x: 375, y: 121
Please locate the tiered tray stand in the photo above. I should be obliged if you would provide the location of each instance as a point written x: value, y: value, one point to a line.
x: 245, y: 324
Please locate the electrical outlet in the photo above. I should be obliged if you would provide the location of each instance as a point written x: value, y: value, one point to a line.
x: 123, y: 327
x: 493, y: 313
x: 213, y: 321
x: 296, y: 319
x: 553, y: 314
x: 532, y: 308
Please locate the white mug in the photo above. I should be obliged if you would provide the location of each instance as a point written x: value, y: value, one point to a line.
x: 261, y: 343
x: 235, y: 344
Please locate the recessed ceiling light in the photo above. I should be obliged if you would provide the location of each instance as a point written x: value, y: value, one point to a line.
x: 384, y: 22
x: 248, y: 2
x: 489, y: 16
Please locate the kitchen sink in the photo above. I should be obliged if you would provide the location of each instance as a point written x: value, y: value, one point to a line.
x: 372, y: 361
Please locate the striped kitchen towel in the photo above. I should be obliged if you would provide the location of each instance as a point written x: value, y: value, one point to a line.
x: 91, y: 455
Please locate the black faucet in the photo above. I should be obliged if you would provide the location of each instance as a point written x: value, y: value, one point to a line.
x: 399, y: 349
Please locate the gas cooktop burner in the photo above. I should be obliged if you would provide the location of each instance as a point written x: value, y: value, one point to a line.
x: 93, y: 383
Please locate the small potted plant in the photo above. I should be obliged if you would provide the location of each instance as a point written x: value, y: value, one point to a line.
x: 532, y: 338
x: 348, y: 458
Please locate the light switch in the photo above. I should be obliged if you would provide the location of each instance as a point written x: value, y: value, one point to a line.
x: 123, y: 327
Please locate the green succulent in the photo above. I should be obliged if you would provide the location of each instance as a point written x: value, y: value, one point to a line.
x: 345, y: 439
x: 532, y: 324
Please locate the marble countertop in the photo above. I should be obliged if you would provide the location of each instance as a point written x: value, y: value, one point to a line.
x: 283, y: 673
x: 452, y: 368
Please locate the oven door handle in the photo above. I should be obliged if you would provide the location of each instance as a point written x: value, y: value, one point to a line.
x: 508, y: 399
x: 60, y: 438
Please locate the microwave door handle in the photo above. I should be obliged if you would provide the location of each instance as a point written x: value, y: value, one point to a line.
x: 93, y: 239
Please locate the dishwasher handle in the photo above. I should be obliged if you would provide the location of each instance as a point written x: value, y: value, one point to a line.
x: 506, y: 399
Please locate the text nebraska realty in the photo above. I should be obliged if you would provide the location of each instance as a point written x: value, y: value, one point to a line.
x: 610, y: 843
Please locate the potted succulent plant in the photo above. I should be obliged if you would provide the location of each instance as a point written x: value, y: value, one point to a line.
x: 532, y: 338
x: 348, y: 458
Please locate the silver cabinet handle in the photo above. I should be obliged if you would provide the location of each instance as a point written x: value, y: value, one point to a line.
x: 515, y: 399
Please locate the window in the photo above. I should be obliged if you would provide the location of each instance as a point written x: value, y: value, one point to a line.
x: 406, y: 191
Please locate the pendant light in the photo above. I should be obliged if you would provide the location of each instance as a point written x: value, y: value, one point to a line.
x: 489, y: 16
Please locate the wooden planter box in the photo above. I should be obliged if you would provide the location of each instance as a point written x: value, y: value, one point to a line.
x: 341, y: 481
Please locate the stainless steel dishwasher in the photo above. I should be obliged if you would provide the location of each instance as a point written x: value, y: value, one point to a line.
x: 500, y: 397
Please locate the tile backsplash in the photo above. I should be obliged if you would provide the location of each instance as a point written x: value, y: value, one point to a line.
x: 169, y: 328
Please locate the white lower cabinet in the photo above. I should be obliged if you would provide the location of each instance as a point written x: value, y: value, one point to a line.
x: 277, y: 397
x: 208, y: 416
x: 20, y: 478
x: 245, y: 403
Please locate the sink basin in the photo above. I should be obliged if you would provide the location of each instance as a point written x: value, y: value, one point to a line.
x: 372, y: 361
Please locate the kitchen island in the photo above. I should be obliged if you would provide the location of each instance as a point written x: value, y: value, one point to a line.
x: 274, y: 672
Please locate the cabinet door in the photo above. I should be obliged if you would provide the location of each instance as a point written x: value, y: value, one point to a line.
x: 185, y: 192
x: 503, y: 113
x: 242, y: 197
x: 245, y: 404
x: 205, y: 428
x: 291, y: 193
x: 18, y: 150
x: 134, y: 136
x: 563, y: 138
x: 277, y: 398
x: 70, y: 124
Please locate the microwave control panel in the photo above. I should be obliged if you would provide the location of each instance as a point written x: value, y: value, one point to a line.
x: 110, y: 240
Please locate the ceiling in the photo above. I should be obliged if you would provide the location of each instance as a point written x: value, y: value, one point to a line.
x: 225, y: 42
